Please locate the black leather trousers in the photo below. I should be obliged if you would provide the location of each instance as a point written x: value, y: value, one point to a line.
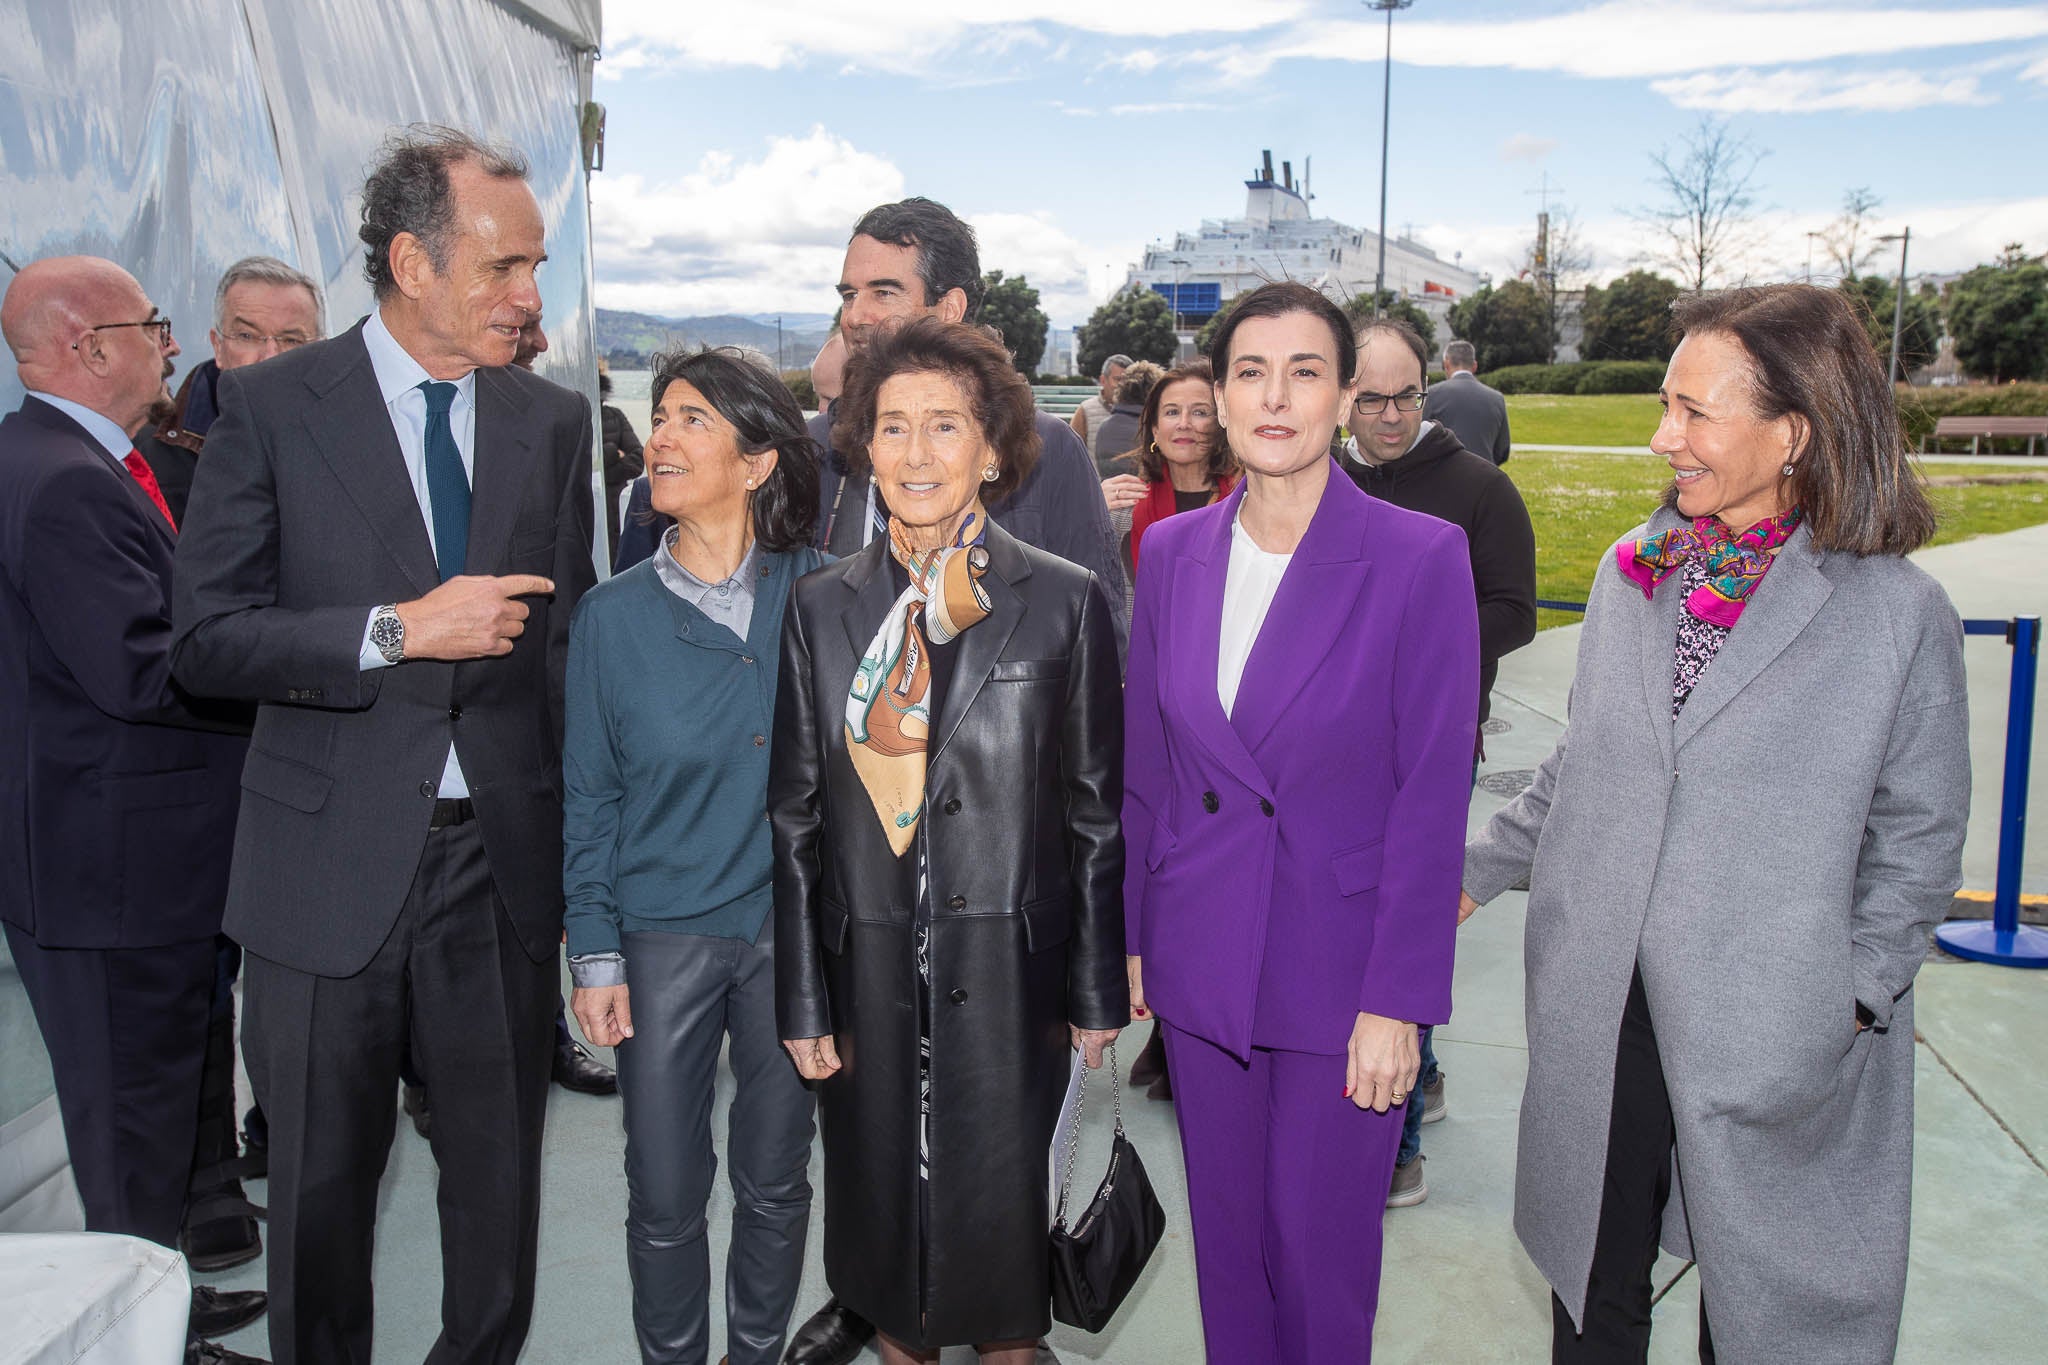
x: 689, y: 995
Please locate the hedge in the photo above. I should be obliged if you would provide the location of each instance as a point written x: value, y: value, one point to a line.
x: 1919, y: 408
x: 1579, y: 376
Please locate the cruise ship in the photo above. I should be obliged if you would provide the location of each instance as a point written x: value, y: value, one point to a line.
x: 1279, y: 238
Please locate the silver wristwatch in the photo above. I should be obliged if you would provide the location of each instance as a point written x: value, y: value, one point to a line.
x: 387, y: 632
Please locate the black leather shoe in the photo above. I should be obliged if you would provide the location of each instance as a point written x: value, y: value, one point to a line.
x: 831, y: 1336
x: 577, y: 1070
x: 217, y: 1312
x: 1151, y: 1063
x: 199, y: 1352
x: 223, y: 1242
x: 416, y: 1106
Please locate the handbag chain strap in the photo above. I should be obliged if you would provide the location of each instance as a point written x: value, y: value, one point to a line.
x: 1116, y: 1091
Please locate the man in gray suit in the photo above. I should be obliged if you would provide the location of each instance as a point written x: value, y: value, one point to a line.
x: 1476, y: 415
x: 387, y: 536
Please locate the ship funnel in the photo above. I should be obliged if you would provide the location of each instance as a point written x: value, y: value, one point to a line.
x: 1287, y: 174
x: 1267, y: 155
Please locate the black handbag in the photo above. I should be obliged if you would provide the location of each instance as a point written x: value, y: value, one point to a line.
x: 1097, y: 1260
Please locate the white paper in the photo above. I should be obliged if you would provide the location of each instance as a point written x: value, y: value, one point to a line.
x: 1063, y: 1135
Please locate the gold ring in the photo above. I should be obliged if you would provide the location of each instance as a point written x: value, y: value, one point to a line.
x: 1399, y: 1095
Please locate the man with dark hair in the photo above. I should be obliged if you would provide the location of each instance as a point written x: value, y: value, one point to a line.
x: 910, y: 260
x: 388, y: 534
x: 117, y: 790
x: 1399, y: 455
x: 1476, y: 414
x: 917, y: 259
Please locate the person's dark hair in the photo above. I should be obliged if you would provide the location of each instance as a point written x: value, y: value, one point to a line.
x: 766, y: 417
x: 1148, y: 461
x: 947, y: 257
x: 1404, y: 332
x: 408, y: 190
x: 604, y: 385
x: 1460, y: 355
x: 1810, y: 356
x: 972, y: 357
x: 1135, y: 386
x: 1277, y: 300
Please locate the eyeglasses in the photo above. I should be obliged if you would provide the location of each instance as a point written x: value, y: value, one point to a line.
x: 162, y: 326
x: 1372, y: 404
x: 251, y: 339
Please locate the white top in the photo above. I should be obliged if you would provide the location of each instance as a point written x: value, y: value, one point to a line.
x: 1248, y: 587
x: 399, y: 377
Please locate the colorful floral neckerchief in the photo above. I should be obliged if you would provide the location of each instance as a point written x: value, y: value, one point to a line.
x: 1735, y: 564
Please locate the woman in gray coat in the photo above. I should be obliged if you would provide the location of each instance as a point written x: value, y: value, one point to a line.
x: 1734, y: 857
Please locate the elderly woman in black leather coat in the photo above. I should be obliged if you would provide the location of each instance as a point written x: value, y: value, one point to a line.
x: 944, y: 793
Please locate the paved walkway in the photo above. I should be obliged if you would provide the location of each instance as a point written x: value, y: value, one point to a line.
x: 1457, y: 1287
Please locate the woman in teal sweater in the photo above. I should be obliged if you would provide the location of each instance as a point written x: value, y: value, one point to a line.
x: 666, y: 859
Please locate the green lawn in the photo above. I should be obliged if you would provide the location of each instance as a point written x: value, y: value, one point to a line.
x: 1607, y: 419
x: 1581, y: 504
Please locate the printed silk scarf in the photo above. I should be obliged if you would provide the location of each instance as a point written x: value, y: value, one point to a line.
x: 888, y: 709
x: 1734, y: 564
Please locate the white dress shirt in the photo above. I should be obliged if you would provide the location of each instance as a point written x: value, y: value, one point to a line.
x: 1248, y: 587
x: 399, y: 377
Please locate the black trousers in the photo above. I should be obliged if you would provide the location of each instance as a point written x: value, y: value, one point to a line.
x: 1640, y: 1138
x: 453, y: 986
x: 126, y: 1032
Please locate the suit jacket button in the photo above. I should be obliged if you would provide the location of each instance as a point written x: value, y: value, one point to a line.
x: 427, y: 790
x: 455, y: 713
x: 1209, y: 802
x: 1265, y: 807
x: 956, y: 902
x: 953, y: 806
x: 958, y: 997
x: 759, y: 740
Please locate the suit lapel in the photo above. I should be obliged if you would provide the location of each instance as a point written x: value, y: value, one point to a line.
x: 1195, y: 634
x: 1657, y: 641
x: 1311, y: 609
x: 982, y: 644
x: 58, y: 420
x: 501, y: 463
x: 873, y: 595
x: 351, y: 427
x: 1789, y: 597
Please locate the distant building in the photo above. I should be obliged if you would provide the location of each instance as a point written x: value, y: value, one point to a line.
x: 1279, y: 239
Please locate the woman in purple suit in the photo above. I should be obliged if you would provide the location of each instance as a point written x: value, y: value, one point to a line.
x: 1298, y: 747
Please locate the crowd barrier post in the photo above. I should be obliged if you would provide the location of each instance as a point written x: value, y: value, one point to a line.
x: 2003, y: 939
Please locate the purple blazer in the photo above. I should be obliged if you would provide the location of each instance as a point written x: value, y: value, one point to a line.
x: 1298, y: 862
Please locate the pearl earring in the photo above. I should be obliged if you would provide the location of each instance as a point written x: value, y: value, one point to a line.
x: 990, y: 474
x: 750, y: 482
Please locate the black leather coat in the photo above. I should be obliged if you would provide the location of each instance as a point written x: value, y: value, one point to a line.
x: 1021, y: 828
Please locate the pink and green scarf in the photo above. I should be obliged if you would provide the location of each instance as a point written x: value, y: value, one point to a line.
x: 1735, y: 564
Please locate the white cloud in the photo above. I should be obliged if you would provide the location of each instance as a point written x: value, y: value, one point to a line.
x: 1645, y: 38
x: 1527, y: 147
x: 2037, y: 71
x: 1790, y: 90
x: 1164, y: 107
x: 1071, y: 276
x: 736, y: 235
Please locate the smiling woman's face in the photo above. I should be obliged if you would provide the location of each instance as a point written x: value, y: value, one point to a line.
x: 929, y: 454
x: 1281, y: 395
x: 1725, y: 461
x: 1187, y: 422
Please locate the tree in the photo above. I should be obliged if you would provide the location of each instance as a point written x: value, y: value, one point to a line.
x: 1876, y: 300
x: 1998, y: 315
x: 1360, y: 311
x: 1508, y: 324
x: 1206, y: 337
x: 1851, y: 240
x: 1705, y: 221
x: 1010, y: 305
x: 1630, y: 319
x: 1135, y: 322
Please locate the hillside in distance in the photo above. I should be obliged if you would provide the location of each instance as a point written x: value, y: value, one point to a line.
x: 627, y: 339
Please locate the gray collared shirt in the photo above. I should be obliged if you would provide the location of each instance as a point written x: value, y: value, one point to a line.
x: 729, y: 603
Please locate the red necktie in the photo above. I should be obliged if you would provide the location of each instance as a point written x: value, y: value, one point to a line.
x: 146, y: 476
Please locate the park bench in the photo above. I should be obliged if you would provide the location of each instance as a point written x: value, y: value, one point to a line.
x: 1985, y: 428
x: 1061, y: 399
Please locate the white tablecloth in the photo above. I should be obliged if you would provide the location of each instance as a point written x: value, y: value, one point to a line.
x: 85, y: 1298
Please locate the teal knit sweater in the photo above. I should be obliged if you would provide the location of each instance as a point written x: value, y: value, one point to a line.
x: 665, y: 760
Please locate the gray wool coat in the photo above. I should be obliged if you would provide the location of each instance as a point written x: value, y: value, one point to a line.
x: 1771, y: 859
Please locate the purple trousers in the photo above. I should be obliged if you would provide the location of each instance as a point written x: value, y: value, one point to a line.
x: 1287, y: 1183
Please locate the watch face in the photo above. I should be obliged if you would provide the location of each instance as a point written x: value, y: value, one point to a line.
x: 387, y: 632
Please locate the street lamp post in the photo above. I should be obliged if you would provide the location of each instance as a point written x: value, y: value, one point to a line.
x: 1379, y: 279
x: 1178, y: 263
x: 1904, y: 238
x: 1809, y: 254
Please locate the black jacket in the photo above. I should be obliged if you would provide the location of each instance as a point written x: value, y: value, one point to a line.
x: 117, y: 791
x: 303, y: 520
x: 1442, y: 479
x: 1026, y: 855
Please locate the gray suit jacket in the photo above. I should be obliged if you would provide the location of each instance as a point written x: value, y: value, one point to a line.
x: 1476, y: 415
x: 1772, y: 859
x: 302, y: 520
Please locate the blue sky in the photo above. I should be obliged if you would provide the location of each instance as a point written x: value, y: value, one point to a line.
x: 744, y: 138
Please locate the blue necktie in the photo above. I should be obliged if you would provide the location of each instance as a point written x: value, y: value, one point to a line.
x: 447, y: 482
